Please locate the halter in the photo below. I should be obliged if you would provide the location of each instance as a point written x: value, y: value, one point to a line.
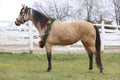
x: 26, y: 10
x: 22, y: 19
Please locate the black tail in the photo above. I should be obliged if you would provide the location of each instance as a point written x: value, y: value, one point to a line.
x: 98, y: 41
x: 98, y: 50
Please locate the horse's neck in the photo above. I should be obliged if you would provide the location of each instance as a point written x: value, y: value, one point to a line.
x: 38, y: 27
x: 39, y: 17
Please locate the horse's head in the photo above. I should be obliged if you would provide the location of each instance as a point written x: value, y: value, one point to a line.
x: 23, y: 16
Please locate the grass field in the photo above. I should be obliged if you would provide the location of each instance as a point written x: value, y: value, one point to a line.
x: 65, y: 67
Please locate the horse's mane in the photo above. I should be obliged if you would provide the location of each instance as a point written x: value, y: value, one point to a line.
x: 38, y: 16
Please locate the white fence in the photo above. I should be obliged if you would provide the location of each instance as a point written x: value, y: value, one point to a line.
x: 110, y: 35
x: 24, y: 35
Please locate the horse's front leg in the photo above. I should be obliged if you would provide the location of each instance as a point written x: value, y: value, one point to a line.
x: 49, y: 62
x: 48, y: 51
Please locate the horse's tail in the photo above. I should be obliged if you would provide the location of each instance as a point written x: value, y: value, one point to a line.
x: 98, y: 46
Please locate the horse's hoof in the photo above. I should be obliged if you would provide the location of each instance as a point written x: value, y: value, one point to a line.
x: 101, y: 72
x: 48, y: 70
x: 90, y: 68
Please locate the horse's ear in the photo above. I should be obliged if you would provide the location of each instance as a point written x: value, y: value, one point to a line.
x: 23, y: 5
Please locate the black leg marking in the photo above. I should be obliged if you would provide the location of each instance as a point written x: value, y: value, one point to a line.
x: 90, y: 61
x: 49, y: 62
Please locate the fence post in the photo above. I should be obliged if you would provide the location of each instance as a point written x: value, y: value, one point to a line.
x: 30, y: 38
x: 117, y: 30
x: 102, y: 36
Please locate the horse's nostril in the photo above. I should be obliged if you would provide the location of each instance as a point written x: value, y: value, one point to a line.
x: 16, y: 23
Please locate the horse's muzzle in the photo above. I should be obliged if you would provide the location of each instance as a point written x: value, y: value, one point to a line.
x: 17, y: 23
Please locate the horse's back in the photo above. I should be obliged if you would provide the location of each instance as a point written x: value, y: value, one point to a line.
x: 80, y: 28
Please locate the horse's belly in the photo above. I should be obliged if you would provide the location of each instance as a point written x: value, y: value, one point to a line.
x: 65, y: 41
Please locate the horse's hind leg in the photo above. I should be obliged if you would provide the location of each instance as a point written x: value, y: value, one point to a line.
x: 90, y: 61
x: 91, y: 49
x: 97, y: 57
x: 90, y: 55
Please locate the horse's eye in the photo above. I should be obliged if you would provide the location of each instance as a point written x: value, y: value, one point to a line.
x: 23, y: 14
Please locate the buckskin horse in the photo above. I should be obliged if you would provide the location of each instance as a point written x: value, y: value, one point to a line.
x: 55, y: 32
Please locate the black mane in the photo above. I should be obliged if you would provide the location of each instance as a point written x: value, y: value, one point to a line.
x: 38, y: 16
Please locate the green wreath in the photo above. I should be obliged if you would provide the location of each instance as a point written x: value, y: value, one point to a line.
x: 43, y: 41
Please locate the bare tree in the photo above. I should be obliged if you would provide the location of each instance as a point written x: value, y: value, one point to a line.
x: 92, y: 10
x: 84, y: 10
x: 59, y: 9
x: 89, y: 6
x: 117, y: 10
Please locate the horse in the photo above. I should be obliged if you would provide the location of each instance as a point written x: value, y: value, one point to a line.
x: 64, y: 33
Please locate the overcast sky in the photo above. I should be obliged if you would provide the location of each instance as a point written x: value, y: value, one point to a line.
x: 9, y: 9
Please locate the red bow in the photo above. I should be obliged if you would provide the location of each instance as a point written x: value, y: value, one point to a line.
x: 40, y: 43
